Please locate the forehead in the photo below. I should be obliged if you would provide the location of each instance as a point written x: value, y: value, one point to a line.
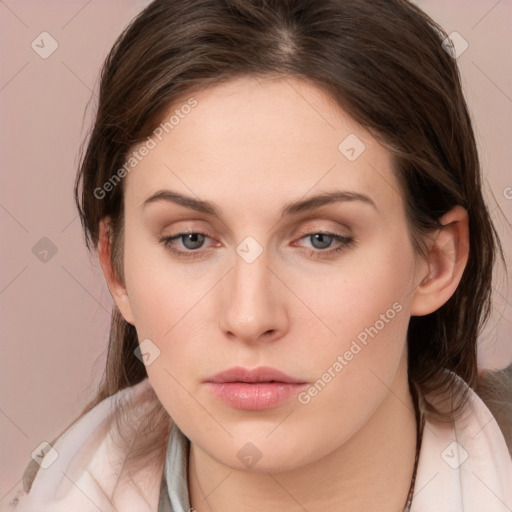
x: 252, y: 140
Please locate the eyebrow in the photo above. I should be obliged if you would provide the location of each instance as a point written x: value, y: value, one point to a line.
x: 292, y: 208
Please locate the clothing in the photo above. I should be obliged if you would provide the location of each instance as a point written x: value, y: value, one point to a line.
x: 464, y: 466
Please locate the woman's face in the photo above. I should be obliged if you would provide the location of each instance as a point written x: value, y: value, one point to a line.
x: 256, y: 287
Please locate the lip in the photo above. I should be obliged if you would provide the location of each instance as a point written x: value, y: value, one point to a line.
x: 259, y: 374
x: 261, y: 388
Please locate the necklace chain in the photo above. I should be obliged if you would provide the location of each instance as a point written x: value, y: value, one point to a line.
x: 420, y: 422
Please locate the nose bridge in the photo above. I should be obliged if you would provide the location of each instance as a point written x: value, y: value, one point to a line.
x: 251, y: 304
x: 250, y: 288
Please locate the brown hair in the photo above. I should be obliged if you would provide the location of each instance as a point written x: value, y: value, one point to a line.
x: 383, y: 62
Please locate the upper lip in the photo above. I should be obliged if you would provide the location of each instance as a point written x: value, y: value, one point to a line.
x: 260, y: 374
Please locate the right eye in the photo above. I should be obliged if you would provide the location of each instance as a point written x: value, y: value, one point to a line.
x: 191, y: 240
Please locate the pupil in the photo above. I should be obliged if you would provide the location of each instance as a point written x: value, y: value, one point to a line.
x: 320, y: 237
x: 193, y: 237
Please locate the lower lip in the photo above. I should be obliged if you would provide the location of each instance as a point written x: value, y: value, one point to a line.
x: 264, y: 395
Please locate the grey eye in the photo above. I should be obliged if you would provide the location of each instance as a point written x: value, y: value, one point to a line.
x: 324, y: 240
x: 196, y: 240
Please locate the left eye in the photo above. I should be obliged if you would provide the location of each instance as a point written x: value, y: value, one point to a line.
x: 325, y: 241
x: 194, y: 240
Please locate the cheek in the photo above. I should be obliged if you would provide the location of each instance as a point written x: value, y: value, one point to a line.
x: 359, y: 363
x: 159, y: 290
x: 169, y: 306
x: 360, y: 320
x: 345, y: 298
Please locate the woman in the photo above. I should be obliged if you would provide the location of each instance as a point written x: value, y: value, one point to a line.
x: 286, y: 201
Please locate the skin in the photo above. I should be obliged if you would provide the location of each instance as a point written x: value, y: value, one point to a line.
x: 251, y: 146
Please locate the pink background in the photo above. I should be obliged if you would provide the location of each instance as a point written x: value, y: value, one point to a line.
x: 55, y: 314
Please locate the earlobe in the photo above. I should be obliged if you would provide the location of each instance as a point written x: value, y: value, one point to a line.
x: 115, y: 284
x: 447, y: 260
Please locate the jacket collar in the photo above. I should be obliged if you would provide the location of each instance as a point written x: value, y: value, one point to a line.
x: 464, y: 465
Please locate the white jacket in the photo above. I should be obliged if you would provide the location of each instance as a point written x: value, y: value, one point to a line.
x: 464, y: 466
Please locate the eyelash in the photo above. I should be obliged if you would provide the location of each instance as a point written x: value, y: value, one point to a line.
x: 346, y: 242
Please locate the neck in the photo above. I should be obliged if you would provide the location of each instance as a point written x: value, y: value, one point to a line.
x: 378, y: 459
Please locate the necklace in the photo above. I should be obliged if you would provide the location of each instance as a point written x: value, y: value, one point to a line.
x: 420, y: 422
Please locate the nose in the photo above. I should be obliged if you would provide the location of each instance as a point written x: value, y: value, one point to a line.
x: 253, y: 302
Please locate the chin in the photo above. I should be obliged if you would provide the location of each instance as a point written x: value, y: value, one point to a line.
x: 254, y: 453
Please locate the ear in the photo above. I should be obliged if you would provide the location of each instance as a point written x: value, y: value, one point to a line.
x: 447, y: 259
x: 114, y: 282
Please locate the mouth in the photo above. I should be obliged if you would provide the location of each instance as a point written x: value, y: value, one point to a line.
x: 258, y: 389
